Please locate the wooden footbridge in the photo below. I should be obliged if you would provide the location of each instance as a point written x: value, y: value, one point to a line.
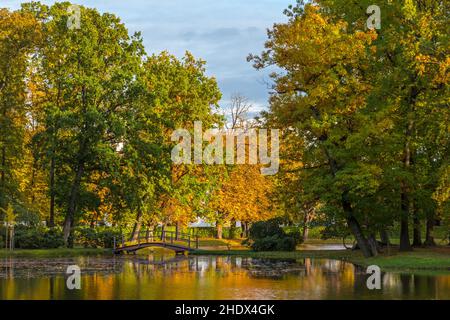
x: 178, y: 242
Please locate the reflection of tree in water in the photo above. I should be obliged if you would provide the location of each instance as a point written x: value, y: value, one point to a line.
x: 273, y: 269
x: 220, y: 266
x: 214, y: 277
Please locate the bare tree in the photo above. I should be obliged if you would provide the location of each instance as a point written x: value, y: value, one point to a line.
x: 238, y: 111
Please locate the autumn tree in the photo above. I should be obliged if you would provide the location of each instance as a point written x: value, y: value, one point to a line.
x: 19, y: 34
x: 368, y: 107
x: 409, y: 70
x: 245, y: 196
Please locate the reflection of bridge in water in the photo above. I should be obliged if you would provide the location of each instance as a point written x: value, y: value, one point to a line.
x: 179, y: 242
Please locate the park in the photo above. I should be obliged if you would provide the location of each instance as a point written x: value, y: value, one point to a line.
x: 335, y: 162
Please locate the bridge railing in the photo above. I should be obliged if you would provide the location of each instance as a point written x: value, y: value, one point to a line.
x: 149, y: 236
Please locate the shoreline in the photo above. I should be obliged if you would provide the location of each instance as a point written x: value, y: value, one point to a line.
x: 421, y: 259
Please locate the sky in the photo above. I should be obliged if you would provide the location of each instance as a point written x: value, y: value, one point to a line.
x: 222, y: 32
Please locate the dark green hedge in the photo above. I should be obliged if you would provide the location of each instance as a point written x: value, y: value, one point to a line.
x: 269, y: 236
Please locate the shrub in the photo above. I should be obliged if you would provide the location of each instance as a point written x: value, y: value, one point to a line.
x: 211, y: 232
x: 269, y: 236
x: 87, y: 237
x: 296, y: 235
x: 106, y: 238
x: 38, y: 238
x: 265, y: 244
x: 53, y: 238
x: 286, y: 244
x: 96, y: 237
x: 262, y: 229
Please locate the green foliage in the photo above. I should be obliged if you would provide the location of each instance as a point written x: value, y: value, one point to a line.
x: 274, y: 243
x: 100, y: 237
x: 269, y: 236
x: 295, y: 234
x: 262, y: 229
x: 38, y: 238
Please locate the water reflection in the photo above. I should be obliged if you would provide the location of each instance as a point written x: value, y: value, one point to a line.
x: 165, y: 276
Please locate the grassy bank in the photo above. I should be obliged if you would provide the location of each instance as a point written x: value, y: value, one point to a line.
x: 419, y: 259
x: 53, y: 253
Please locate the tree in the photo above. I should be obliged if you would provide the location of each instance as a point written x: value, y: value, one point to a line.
x: 10, y: 221
x: 319, y: 95
x: 19, y: 33
x: 244, y: 195
x: 368, y: 108
x: 410, y: 73
x: 177, y: 93
x: 88, y: 77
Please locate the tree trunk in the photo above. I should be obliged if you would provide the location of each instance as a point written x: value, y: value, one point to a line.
x: 384, y: 236
x: 137, y: 225
x: 306, y: 220
x: 51, y: 222
x: 363, y: 244
x: 163, y: 229
x: 177, y: 230
x: 373, y: 244
x: 232, y: 233
x: 429, y: 238
x: 305, y: 232
x: 219, y: 230
x: 417, y: 237
x: 2, y: 175
x: 352, y: 222
x: 33, y: 180
x: 73, y: 199
x: 244, y: 226
x: 405, y: 245
x: 6, y: 236
x: 147, y: 234
x: 355, y: 227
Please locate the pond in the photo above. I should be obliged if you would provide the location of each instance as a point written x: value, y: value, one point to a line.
x: 161, y: 275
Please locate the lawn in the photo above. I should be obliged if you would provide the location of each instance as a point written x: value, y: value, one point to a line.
x: 53, y: 253
x: 420, y: 259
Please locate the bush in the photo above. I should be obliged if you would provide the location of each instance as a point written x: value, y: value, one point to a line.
x: 211, y: 232
x: 2, y: 237
x: 262, y: 229
x: 106, y: 238
x: 274, y: 243
x: 269, y: 236
x: 38, y: 238
x: 53, y: 238
x: 87, y: 237
x: 266, y: 244
x: 296, y: 235
x: 286, y: 244
x: 96, y: 237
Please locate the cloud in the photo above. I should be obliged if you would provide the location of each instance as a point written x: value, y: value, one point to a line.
x: 222, y: 32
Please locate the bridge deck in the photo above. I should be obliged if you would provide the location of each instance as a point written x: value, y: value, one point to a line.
x: 135, y: 247
x: 178, y: 242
